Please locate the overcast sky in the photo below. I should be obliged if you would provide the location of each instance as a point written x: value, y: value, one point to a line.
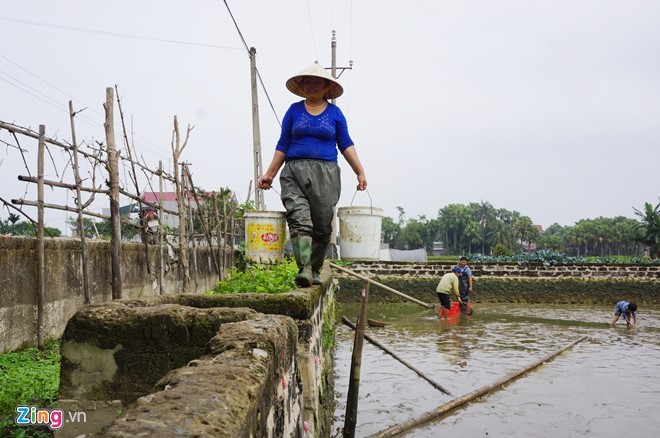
x: 548, y: 108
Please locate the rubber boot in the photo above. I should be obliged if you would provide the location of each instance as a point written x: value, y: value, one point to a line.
x: 318, y: 257
x: 302, y: 251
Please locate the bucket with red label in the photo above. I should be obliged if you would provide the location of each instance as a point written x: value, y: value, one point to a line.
x: 265, y: 235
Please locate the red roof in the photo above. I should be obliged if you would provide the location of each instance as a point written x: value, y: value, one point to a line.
x: 154, y: 196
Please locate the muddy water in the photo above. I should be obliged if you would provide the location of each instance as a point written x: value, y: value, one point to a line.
x: 605, y: 386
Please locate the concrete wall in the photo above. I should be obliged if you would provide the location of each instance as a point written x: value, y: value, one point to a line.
x: 64, y: 284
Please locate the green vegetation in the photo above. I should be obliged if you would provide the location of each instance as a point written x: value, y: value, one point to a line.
x: 271, y: 279
x: 547, y: 258
x: 28, y: 378
x: 480, y: 228
x: 13, y: 227
x: 329, y: 323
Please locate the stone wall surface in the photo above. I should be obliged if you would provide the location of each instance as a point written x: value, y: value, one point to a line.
x: 508, y: 270
x: 574, y: 284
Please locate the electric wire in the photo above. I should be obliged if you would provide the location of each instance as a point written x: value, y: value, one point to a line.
x: 311, y: 28
x: 116, y: 34
x: 240, y: 34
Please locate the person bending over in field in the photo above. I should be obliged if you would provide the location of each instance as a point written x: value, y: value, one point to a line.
x: 628, y: 310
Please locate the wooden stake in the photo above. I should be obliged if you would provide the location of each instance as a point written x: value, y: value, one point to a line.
x: 41, y: 252
x: 160, y: 228
x: 79, y: 205
x: 113, y: 176
x: 177, y: 149
x: 388, y: 351
x: 447, y: 407
x: 356, y: 366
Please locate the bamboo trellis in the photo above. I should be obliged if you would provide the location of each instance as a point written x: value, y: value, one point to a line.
x: 107, y: 156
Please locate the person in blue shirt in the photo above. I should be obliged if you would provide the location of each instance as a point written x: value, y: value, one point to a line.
x: 313, y: 132
x: 465, y: 285
x: 628, y: 310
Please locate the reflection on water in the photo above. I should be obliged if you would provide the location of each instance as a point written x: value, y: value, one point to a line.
x: 604, y: 386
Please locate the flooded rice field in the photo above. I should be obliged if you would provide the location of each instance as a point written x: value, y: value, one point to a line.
x: 605, y: 386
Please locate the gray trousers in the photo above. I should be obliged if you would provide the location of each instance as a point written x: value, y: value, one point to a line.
x: 310, y: 192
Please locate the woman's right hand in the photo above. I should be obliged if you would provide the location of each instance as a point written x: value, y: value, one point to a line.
x: 265, y: 182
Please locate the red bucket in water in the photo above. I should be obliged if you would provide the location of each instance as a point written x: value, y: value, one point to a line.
x: 454, y: 310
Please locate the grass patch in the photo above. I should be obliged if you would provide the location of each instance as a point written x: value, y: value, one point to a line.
x: 28, y: 378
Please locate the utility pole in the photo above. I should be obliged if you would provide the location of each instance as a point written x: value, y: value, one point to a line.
x: 333, y: 71
x: 256, y: 136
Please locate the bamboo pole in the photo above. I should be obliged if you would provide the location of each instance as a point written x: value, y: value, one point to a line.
x: 28, y: 133
x: 93, y: 190
x: 201, y: 213
x: 356, y: 366
x: 57, y: 207
x: 224, y: 230
x: 394, y: 355
x: 41, y: 252
x: 387, y: 288
x: 160, y: 227
x: 62, y: 185
x: 79, y: 203
x: 113, y: 177
x: 187, y: 182
x: 218, y: 237
x: 177, y: 149
x: 233, y: 227
x: 144, y: 237
x: 457, y: 402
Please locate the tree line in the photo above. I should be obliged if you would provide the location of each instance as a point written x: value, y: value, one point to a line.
x: 475, y: 228
x: 481, y: 228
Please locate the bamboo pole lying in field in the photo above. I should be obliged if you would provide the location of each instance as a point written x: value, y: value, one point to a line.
x: 394, y: 355
x: 387, y: 288
x: 447, y: 407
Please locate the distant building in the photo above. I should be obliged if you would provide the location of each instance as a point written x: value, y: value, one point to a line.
x: 438, y: 248
x: 132, y: 211
x: 168, y: 201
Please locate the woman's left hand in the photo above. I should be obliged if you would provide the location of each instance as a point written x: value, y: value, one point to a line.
x: 362, y: 182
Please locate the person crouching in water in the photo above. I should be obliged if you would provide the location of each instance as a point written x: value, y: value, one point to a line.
x: 628, y: 310
x: 448, y: 283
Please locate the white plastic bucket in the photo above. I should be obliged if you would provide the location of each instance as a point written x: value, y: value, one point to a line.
x: 265, y: 234
x: 359, y: 232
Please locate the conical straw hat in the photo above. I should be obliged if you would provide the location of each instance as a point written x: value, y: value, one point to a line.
x: 294, y: 84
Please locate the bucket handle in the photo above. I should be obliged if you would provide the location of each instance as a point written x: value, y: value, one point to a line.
x: 371, y: 204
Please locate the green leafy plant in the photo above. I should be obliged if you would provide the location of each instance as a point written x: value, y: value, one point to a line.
x: 29, y: 378
x: 270, y: 279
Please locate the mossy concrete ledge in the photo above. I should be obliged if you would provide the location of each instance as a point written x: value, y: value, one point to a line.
x: 247, y: 385
x: 248, y: 365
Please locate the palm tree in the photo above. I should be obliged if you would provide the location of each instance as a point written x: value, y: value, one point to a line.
x: 486, y: 218
x: 473, y: 234
x: 650, y: 218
